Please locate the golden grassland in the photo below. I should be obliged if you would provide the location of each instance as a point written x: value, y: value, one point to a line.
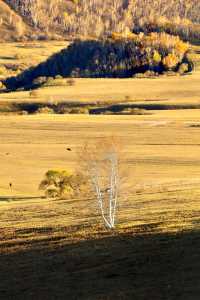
x: 58, y: 249
x: 30, y: 145
x: 160, y: 150
x: 162, y: 90
x: 25, y: 55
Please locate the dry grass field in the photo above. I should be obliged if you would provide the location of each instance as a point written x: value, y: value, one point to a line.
x: 15, y: 57
x: 59, y: 249
x: 166, y: 89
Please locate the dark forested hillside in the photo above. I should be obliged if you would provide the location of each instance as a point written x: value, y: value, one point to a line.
x: 118, y: 56
x: 72, y: 18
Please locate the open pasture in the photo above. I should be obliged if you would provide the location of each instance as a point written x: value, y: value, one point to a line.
x: 160, y: 150
x: 60, y: 249
x: 173, y: 90
x: 15, y: 57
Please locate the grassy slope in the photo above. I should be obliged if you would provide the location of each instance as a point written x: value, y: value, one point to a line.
x: 57, y: 249
x: 8, y: 30
x: 25, y: 55
x: 38, y: 143
x: 175, y: 90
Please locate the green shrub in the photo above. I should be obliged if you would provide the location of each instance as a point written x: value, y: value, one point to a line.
x: 62, y: 183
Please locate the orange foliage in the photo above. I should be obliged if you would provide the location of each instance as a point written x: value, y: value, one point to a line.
x: 170, y: 61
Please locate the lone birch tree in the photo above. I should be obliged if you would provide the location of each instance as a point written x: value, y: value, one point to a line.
x: 101, y: 162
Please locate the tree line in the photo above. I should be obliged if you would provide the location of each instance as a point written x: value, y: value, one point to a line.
x: 74, y: 18
x: 119, y: 56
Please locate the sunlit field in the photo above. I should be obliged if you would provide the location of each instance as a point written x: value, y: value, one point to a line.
x: 60, y: 247
x: 160, y: 150
x: 154, y: 222
x: 15, y: 57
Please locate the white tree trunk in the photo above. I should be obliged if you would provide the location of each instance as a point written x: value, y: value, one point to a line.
x: 107, y: 194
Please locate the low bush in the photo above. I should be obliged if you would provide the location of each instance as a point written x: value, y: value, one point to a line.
x: 147, y: 74
x: 62, y: 183
x: 79, y: 110
x: 58, y: 77
x: 39, y: 80
x: 45, y: 110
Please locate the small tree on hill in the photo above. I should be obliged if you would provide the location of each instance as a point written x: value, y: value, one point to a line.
x: 58, y: 183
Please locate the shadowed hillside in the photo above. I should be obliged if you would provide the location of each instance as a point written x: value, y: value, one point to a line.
x: 115, y: 57
x: 115, y: 266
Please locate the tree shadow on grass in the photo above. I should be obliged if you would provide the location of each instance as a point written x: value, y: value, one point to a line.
x: 120, y: 266
x: 19, y: 198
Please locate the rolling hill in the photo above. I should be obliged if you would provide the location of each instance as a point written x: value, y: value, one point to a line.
x: 12, y: 26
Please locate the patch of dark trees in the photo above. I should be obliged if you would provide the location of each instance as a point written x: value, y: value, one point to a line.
x: 90, y: 59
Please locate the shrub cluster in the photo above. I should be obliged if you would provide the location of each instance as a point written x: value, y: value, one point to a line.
x: 63, y: 183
